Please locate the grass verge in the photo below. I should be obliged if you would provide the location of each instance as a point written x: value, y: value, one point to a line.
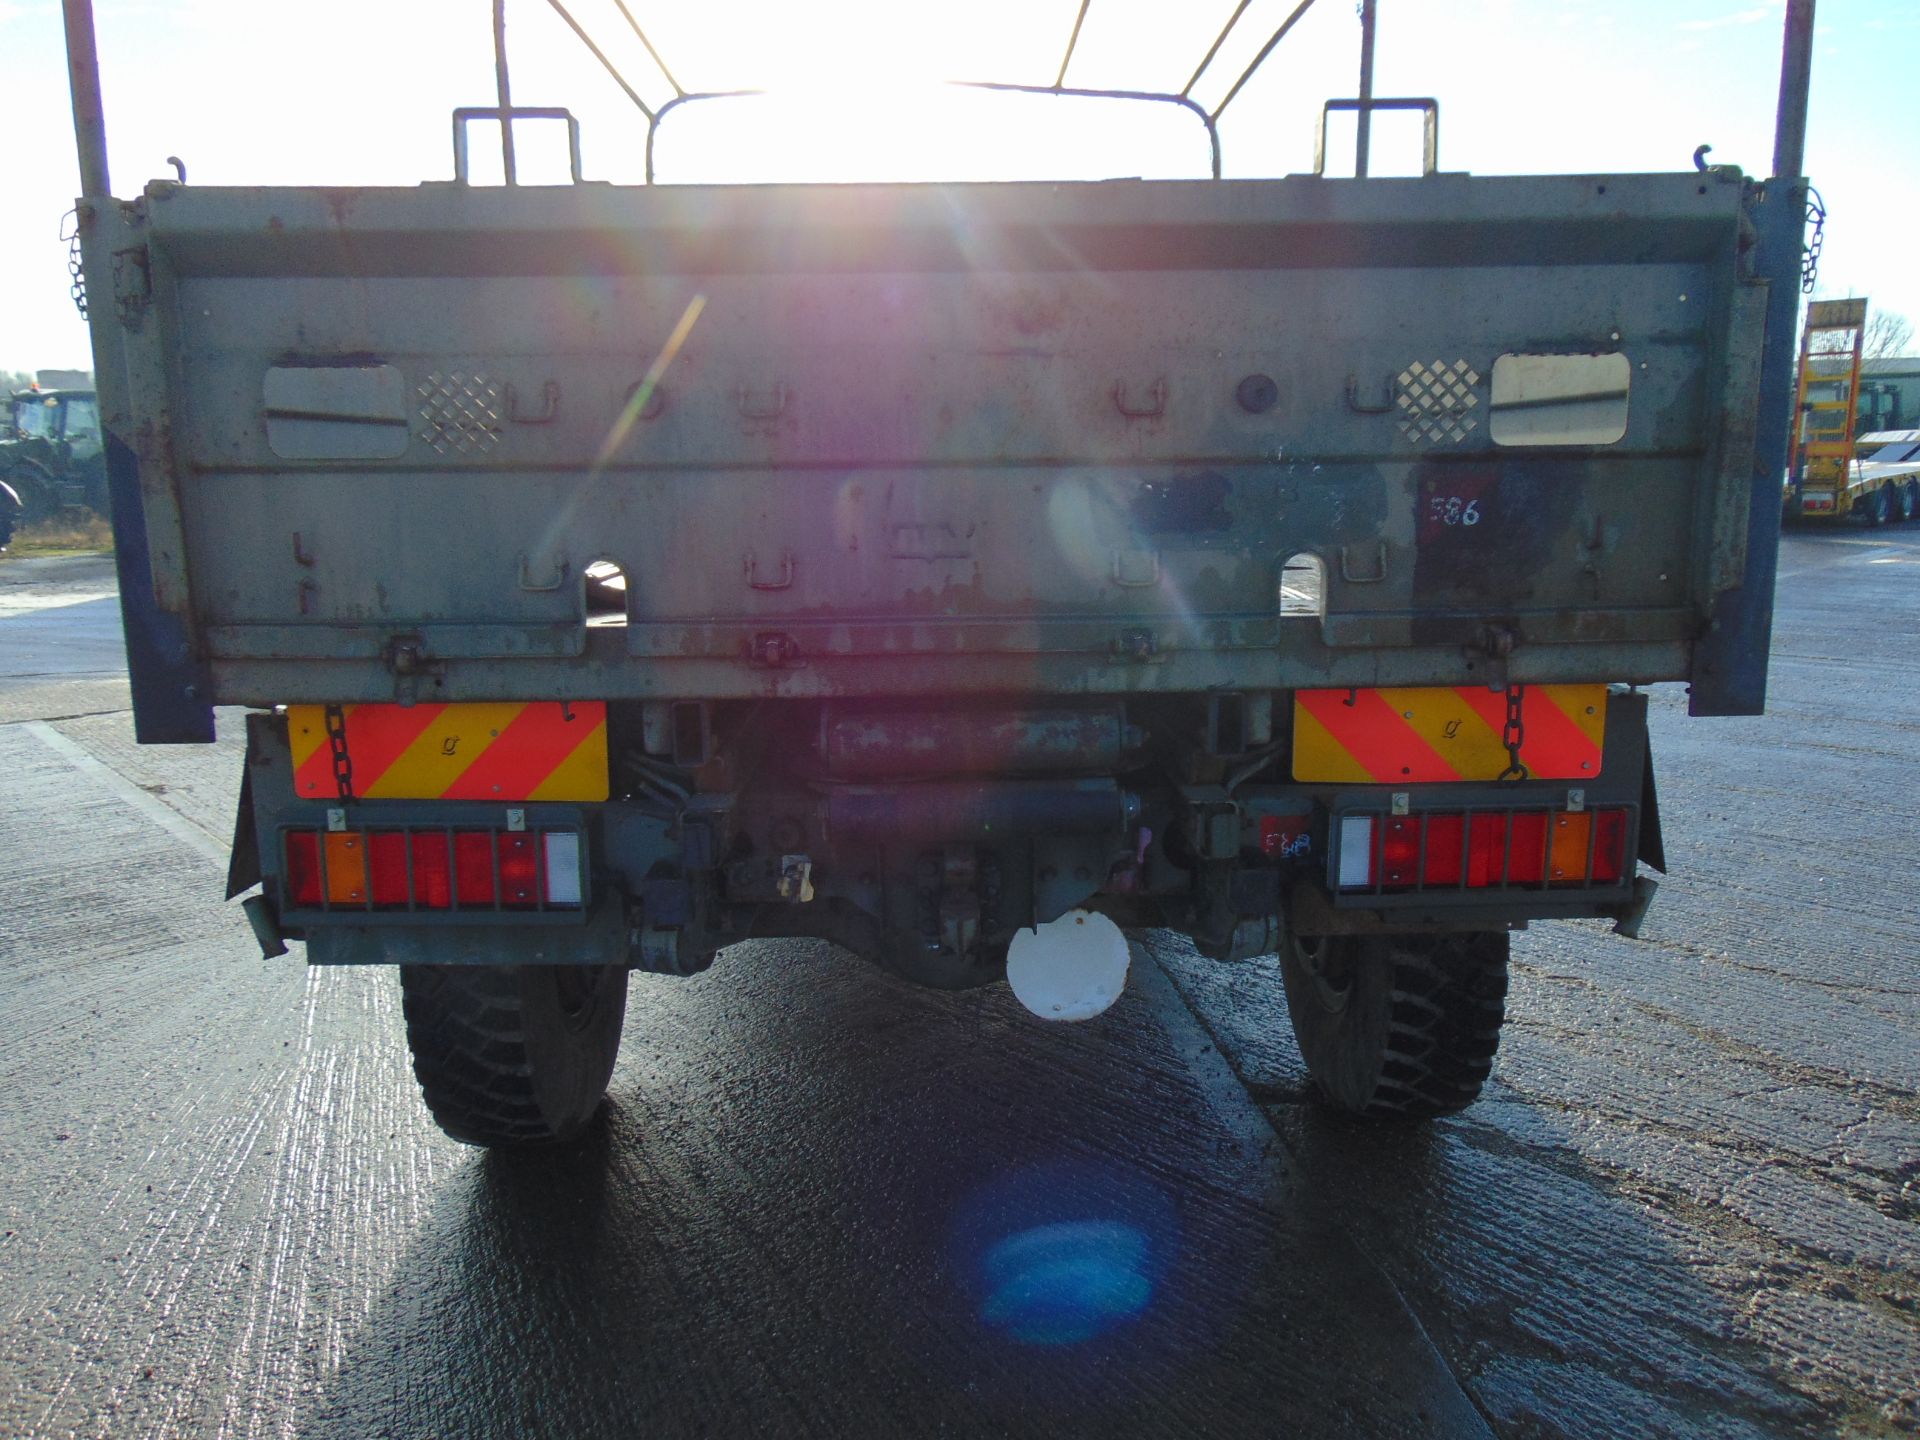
x: 87, y: 534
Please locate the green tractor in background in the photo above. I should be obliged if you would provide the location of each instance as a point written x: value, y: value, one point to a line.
x: 51, y: 452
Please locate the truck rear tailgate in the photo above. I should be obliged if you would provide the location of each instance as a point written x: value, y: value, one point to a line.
x: 988, y: 437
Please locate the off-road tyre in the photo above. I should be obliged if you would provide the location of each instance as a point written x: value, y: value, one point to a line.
x: 513, y: 1055
x: 34, y: 484
x: 1397, y: 1027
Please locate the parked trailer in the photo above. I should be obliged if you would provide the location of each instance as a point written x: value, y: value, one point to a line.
x: 954, y: 572
x: 1885, y: 475
x: 1825, y: 481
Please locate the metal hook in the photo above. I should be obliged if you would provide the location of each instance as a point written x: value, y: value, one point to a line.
x: 761, y: 405
x: 549, y: 405
x: 1356, y: 404
x: 773, y: 582
x: 1354, y: 577
x: 1155, y: 404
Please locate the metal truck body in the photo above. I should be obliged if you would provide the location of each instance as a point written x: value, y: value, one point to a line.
x: 621, y: 572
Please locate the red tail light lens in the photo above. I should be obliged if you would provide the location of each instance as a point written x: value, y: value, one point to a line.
x: 1512, y: 848
x: 1399, y: 851
x: 1446, y: 844
x: 519, y: 871
x: 1609, y: 846
x: 1485, y: 849
x: 303, y: 867
x: 473, y: 867
x: 432, y: 870
x: 387, y: 867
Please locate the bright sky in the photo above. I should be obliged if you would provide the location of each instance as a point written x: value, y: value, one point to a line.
x: 359, y: 92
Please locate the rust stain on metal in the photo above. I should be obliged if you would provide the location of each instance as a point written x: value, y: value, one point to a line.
x: 340, y: 199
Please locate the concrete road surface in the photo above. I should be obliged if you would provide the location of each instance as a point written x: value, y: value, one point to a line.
x: 823, y: 1202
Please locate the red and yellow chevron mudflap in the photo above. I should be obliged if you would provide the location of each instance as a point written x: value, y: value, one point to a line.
x: 1378, y: 737
x: 519, y: 750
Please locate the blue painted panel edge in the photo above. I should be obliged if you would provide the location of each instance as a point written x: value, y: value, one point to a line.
x: 1730, y: 660
x: 170, y: 684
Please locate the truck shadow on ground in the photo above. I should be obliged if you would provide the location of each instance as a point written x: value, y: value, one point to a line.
x: 1566, y: 1300
x: 1565, y: 1304
x: 821, y: 1202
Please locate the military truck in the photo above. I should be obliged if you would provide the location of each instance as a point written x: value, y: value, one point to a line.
x: 959, y: 573
x: 51, y: 454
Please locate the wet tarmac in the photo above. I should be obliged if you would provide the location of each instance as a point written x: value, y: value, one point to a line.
x: 60, y: 646
x: 1689, y: 1203
x: 822, y: 1202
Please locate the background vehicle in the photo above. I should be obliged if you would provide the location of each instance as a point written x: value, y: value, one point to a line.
x: 52, y: 453
x: 1883, y: 476
x: 1838, y: 471
x: 1889, y: 466
x: 10, y: 508
x: 955, y: 572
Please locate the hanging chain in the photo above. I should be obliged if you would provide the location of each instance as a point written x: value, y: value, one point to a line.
x: 337, y: 739
x: 1810, y: 257
x: 1514, y: 735
x: 76, y: 273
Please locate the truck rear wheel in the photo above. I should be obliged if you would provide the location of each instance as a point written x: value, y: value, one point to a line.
x: 510, y: 1055
x: 1397, y: 1027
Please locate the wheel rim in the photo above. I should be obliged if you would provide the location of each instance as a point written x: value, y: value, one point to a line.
x: 1329, y: 968
x: 577, y: 988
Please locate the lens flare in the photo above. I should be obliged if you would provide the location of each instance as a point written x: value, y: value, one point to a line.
x: 1067, y: 1283
x: 1065, y: 1252
x: 643, y: 392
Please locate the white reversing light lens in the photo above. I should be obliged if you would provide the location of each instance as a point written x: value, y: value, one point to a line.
x: 563, y: 867
x: 1356, y: 852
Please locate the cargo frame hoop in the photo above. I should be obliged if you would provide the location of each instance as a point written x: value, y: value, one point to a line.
x: 1209, y: 120
x: 507, y: 115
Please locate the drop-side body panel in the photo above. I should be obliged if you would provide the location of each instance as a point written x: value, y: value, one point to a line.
x: 914, y: 440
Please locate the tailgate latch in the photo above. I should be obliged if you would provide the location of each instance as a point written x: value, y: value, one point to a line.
x: 406, y: 657
x: 774, y: 650
x: 1495, y: 644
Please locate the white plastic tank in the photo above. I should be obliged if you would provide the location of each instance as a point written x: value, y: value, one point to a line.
x: 1072, y: 968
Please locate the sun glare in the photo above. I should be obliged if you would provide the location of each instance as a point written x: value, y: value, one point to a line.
x: 857, y: 90
x: 776, y: 44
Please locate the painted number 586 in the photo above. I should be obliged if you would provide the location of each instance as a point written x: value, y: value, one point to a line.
x: 1452, y: 510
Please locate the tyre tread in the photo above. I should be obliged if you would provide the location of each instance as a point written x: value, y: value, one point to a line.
x: 466, y: 1029
x: 1444, y: 1025
x: 1416, y: 1035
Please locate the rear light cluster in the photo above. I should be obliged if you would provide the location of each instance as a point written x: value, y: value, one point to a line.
x: 433, y: 869
x: 1482, y: 849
